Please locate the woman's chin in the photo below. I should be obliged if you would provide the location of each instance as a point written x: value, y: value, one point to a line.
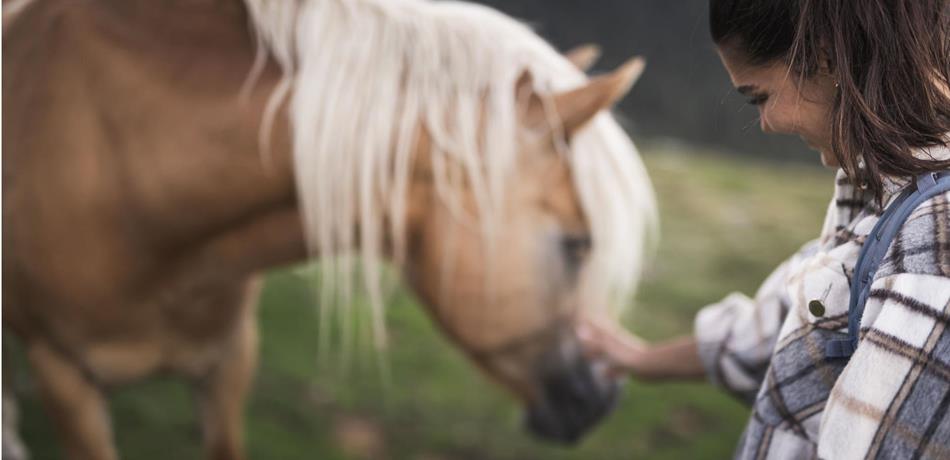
x: 828, y: 160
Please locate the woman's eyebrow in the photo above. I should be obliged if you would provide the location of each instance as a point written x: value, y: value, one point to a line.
x: 747, y: 89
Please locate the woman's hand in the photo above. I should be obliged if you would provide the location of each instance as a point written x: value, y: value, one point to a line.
x: 609, y: 341
x: 627, y: 354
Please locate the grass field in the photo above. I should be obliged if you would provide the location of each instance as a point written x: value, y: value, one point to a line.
x: 725, y: 224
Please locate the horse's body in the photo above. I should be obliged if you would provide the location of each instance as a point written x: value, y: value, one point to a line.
x: 138, y: 211
x: 135, y: 218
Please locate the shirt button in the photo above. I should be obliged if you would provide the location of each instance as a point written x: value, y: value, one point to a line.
x: 816, y: 308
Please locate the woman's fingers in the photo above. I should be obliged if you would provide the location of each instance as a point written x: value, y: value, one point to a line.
x: 603, y: 339
x: 614, y: 331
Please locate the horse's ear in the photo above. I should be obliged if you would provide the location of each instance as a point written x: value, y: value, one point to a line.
x: 530, y: 104
x: 524, y: 88
x: 583, y: 57
x: 577, y: 107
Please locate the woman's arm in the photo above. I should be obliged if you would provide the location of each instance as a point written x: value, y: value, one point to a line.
x: 672, y: 359
x: 731, y: 344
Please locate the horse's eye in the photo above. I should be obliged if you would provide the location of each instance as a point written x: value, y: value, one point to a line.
x: 575, y: 248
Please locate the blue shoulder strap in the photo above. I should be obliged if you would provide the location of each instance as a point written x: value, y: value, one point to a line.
x: 875, y: 248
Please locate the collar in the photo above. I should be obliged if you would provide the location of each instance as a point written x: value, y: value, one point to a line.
x: 894, y: 185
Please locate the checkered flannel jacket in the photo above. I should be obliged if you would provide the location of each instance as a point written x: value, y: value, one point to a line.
x: 891, y: 399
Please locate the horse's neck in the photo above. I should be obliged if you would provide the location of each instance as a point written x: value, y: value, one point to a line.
x: 148, y: 124
x: 180, y: 23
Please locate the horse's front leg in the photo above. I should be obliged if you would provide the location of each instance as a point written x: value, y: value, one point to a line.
x: 223, y: 390
x: 76, y: 405
x: 13, y: 448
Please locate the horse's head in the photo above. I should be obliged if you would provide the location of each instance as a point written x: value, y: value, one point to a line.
x: 454, y: 140
x: 508, y: 292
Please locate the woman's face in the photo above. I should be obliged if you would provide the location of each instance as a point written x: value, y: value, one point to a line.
x: 786, y: 104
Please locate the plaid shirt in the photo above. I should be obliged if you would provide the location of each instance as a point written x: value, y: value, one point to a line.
x: 891, y: 399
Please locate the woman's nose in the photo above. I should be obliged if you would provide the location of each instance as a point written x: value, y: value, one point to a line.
x: 764, y: 124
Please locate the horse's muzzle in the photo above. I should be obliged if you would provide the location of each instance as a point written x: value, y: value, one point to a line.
x: 574, y: 398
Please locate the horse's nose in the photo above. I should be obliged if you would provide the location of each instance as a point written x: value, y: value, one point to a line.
x: 575, y: 395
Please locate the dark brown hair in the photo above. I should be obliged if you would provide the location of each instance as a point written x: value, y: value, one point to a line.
x: 889, y: 58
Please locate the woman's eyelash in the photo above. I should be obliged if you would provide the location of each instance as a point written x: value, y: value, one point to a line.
x: 758, y: 99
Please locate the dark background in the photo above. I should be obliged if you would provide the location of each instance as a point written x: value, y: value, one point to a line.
x: 684, y: 93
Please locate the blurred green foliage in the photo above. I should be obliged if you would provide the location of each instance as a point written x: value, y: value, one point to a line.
x: 726, y: 222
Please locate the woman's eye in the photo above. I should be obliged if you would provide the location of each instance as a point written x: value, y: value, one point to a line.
x: 758, y: 100
x: 575, y: 248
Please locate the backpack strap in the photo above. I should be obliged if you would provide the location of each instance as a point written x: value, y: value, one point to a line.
x: 875, y: 248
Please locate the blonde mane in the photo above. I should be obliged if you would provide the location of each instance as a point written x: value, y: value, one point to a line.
x: 361, y: 75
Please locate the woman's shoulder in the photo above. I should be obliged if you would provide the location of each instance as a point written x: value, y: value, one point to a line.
x: 923, y: 244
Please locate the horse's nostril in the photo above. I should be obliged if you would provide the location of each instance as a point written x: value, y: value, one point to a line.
x: 574, y: 398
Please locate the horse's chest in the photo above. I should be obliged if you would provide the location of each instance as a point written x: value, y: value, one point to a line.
x: 126, y: 362
x: 182, y: 330
x: 177, y: 328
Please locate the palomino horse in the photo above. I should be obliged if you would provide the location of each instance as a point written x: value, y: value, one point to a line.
x: 158, y: 156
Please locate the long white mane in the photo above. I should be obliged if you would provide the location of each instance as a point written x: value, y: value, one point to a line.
x: 362, y: 74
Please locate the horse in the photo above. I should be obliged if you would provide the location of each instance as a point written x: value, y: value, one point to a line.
x: 160, y: 156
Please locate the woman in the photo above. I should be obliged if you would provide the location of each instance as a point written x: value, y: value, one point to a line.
x: 865, y: 83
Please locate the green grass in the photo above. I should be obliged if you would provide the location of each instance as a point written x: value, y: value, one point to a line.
x: 726, y: 223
